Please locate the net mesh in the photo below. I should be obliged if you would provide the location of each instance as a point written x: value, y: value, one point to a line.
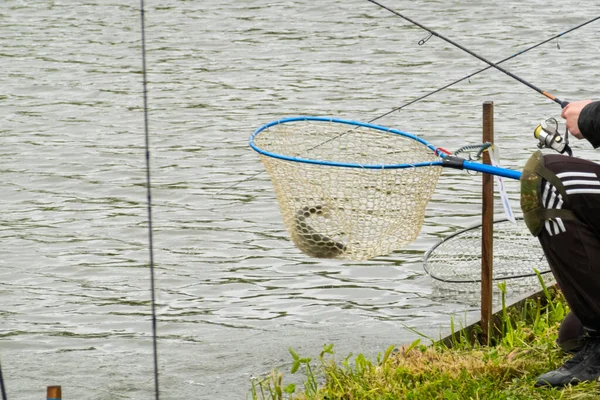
x: 343, y: 212
x: 516, y: 254
x: 470, y: 292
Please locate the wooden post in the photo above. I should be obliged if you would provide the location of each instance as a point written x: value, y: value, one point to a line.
x: 487, y: 227
x: 53, y: 393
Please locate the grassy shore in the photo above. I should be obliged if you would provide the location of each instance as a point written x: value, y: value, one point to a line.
x: 522, y: 347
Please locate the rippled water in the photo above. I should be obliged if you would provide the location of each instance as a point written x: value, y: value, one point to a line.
x: 233, y: 293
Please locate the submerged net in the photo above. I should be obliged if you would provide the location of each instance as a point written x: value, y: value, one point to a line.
x: 516, y: 255
x: 339, y: 193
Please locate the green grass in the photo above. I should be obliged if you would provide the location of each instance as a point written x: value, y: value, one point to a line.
x: 521, y: 348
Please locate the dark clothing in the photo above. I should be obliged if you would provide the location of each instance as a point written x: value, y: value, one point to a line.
x: 572, y: 246
x: 589, y: 123
x: 560, y: 198
x: 570, y: 334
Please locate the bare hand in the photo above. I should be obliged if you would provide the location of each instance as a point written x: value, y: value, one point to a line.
x: 571, y: 114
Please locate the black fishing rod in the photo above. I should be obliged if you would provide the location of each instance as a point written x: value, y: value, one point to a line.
x: 484, y: 69
x: 2, y: 389
x: 563, y: 104
x: 491, y: 65
x: 149, y: 200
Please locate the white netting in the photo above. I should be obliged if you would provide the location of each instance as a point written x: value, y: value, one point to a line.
x: 470, y: 292
x: 455, y: 264
x: 516, y: 254
x: 344, y: 212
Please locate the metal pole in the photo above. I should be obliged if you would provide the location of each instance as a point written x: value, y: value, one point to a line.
x: 487, y: 227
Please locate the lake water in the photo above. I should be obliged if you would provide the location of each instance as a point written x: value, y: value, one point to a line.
x: 233, y: 292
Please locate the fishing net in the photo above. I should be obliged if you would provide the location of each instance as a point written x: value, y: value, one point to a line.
x: 516, y: 255
x: 455, y: 264
x: 346, y: 189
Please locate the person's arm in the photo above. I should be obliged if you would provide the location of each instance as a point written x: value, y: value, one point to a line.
x: 589, y: 123
x: 583, y: 120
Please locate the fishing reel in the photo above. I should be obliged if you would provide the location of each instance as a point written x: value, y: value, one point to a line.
x: 550, y: 138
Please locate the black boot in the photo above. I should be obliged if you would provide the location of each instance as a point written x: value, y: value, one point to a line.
x: 584, y: 366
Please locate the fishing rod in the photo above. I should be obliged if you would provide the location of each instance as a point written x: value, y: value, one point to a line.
x: 563, y: 104
x: 149, y: 200
x: 448, y: 85
x: 485, y: 69
x: 2, y: 389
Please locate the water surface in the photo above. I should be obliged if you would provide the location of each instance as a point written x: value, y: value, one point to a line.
x: 233, y: 292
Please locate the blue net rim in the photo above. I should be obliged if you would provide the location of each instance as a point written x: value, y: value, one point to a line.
x: 339, y: 164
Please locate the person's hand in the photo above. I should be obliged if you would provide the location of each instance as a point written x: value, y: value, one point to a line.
x: 571, y: 114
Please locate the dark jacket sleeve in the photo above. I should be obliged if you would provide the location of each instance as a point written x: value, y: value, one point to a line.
x: 589, y: 123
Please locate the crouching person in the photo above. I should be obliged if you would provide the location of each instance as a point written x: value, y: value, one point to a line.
x: 560, y: 199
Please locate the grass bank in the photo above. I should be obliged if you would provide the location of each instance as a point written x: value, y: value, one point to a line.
x: 522, y: 347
